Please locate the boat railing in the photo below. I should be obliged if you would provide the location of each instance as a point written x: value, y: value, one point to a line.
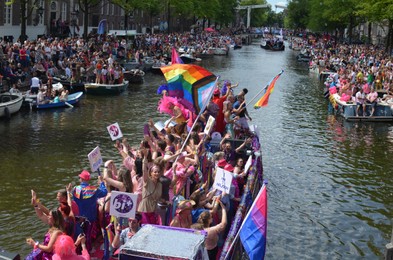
x: 252, y: 187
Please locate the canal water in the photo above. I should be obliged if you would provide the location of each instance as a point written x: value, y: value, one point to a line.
x: 330, y: 184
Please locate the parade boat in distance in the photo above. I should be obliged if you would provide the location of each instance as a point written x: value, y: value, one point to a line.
x: 383, y: 110
x: 273, y: 44
x: 106, y: 89
x: 10, y: 104
x: 72, y: 100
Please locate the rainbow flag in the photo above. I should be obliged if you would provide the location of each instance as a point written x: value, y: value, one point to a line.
x: 191, y: 84
x: 262, y: 102
x: 253, y: 230
x: 175, y: 57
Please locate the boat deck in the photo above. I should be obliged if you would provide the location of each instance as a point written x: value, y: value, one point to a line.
x: 370, y: 118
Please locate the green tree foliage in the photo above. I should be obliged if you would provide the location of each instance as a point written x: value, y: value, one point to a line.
x: 85, y: 6
x: 259, y: 16
x: 298, y: 14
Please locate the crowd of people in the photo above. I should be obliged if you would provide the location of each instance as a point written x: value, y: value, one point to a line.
x: 172, y: 171
x: 362, y: 74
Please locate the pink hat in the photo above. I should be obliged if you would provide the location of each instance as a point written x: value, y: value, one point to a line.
x: 221, y: 163
x: 85, y: 175
x: 216, y: 92
x: 229, y: 167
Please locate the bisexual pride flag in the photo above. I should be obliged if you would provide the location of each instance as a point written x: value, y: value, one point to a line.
x: 253, y: 229
x: 191, y: 84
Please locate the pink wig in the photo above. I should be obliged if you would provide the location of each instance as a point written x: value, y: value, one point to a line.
x: 64, y: 246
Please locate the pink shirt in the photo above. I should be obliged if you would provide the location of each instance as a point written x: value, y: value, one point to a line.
x: 85, y: 256
x: 212, y: 236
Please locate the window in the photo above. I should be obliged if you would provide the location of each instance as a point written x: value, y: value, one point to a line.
x: 7, y: 14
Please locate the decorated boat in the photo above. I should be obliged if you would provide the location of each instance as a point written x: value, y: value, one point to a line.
x: 10, y: 104
x: 272, y: 45
x: 72, y: 100
x: 106, y: 89
x: 383, y: 110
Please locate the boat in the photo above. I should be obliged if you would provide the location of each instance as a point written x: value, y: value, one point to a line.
x: 189, y: 58
x: 156, y: 68
x: 10, y: 104
x: 383, y: 110
x: 134, y: 75
x: 72, y: 100
x: 72, y: 87
x: 220, y: 51
x: 271, y: 45
x: 106, y: 89
x: 205, y: 53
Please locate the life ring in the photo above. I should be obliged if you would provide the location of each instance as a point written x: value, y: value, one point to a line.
x: 7, y: 113
x: 333, y: 101
x: 263, y: 43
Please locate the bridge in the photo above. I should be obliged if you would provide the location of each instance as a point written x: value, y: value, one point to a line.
x: 249, y: 7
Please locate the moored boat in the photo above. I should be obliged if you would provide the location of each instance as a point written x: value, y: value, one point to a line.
x: 134, y: 75
x: 10, y: 104
x: 106, y: 89
x: 189, y: 58
x: 72, y: 87
x: 72, y: 100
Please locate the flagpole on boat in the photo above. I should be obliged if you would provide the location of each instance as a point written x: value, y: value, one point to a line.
x: 200, y: 113
x: 249, y: 102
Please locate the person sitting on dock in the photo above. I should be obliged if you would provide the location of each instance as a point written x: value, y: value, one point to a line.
x: 372, y: 98
x: 360, y: 101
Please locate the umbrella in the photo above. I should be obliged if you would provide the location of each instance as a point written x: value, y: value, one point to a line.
x: 209, y: 29
x: 191, y: 84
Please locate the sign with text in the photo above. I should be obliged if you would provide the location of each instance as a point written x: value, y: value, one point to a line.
x: 123, y: 204
x: 248, y: 163
x: 95, y: 159
x: 209, y: 125
x: 223, y: 180
x: 114, y: 131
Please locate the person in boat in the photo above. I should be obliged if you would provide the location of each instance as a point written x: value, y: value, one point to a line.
x: 183, y: 217
x: 372, y: 98
x: 65, y: 248
x: 211, y: 240
x: 152, y: 191
x: 240, y: 109
x: 64, y: 95
x: 56, y: 227
x: 42, y: 97
x: 123, y: 236
x: 360, y: 102
x: 36, y: 84
x: 86, y: 197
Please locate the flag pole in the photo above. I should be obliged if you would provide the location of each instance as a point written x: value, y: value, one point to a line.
x: 268, y: 84
x: 196, y: 119
x: 248, y: 213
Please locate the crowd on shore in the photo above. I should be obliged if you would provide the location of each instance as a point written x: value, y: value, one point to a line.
x: 83, y: 60
x: 171, y: 171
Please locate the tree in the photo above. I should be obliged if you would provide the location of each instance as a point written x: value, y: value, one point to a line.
x: 25, y: 10
x: 128, y: 6
x: 298, y: 14
x: 85, y: 6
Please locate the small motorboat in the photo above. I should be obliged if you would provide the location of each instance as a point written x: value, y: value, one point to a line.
x: 106, y: 89
x: 189, y: 58
x: 134, y: 75
x: 10, y: 104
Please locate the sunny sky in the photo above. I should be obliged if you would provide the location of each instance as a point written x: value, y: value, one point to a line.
x: 279, y: 2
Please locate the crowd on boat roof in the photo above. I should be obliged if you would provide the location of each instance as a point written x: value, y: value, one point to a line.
x: 171, y: 171
x: 78, y: 59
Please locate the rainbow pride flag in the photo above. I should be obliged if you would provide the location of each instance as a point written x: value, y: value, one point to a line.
x: 254, y: 227
x: 262, y: 102
x: 190, y: 83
